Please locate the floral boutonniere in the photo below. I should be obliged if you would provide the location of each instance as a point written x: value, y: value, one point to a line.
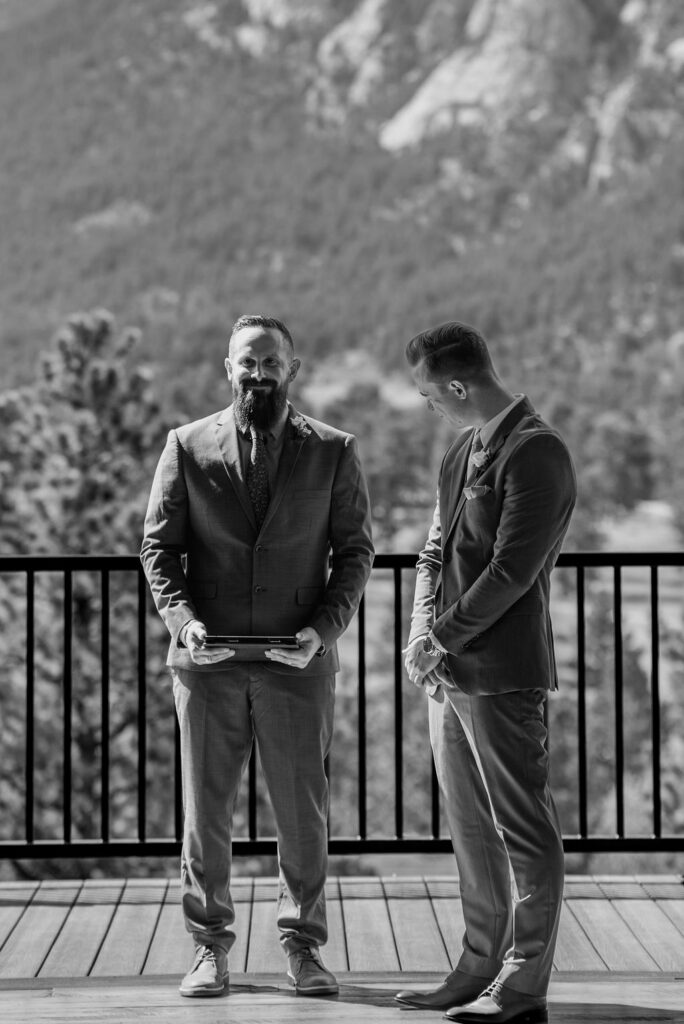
x: 476, y: 491
x: 301, y: 427
x: 482, y: 458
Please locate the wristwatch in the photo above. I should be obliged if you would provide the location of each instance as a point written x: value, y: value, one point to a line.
x: 429, y: 648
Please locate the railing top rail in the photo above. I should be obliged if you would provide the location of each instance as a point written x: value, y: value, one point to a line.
x: 393, y: 560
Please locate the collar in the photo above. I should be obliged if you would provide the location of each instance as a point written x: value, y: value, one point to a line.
x: 490, y: 428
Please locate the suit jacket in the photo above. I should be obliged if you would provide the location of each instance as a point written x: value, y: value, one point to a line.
x: 204, y: 558
x: 483, y: 576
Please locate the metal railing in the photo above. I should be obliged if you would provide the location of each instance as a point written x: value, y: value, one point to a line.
x: 146, y: 643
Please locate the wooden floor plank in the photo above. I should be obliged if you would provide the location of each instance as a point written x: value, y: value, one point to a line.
x: 611, y: 937
x: 574, y: 950
x: 367, y: 999
x: 14, y: 898
x: 370, y: 940
x: 675, y: 911
x: 265, y: 953
x: 76, y: 947
x: 418, y: 938
x: 172, y: 949
x: 334, y: 952
x: 125, y: 948
x: 655, y: 931
x: 38, y: 929
x: 448, y: 909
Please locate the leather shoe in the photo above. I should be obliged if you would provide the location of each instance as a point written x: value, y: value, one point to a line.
x: 500, y: 1005
x: 208, y: 975
x: 458, y: 988
x: 308, y: 974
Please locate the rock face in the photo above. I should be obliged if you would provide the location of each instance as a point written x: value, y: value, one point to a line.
x: 515, y: 56
x: 590, y: 85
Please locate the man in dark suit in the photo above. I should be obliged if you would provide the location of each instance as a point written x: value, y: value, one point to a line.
x: 246, y: 507
x: 481, y: 646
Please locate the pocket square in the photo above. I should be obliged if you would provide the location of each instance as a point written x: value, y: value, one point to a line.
x: 476, y: 491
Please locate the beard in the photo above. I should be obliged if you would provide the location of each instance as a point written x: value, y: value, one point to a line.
x: 260, y: 409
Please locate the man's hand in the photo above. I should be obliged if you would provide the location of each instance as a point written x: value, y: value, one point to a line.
x: 193, y: 638
x: 309, y: 642
x: 418, y: 664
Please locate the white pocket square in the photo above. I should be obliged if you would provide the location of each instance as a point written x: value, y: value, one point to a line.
x: 476, y: 491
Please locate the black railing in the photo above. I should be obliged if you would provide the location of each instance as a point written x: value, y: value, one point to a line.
x: 102, y: 666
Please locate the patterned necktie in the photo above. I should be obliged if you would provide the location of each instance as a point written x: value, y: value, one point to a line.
x: 476, y: 447
x: 257, y: 477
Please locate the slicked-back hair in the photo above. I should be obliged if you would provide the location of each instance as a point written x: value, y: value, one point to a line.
x: 267, y: 323
x: 451, y: 351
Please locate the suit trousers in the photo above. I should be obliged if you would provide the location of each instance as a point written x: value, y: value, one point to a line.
x: 291, y: 718
x: 493, y: 768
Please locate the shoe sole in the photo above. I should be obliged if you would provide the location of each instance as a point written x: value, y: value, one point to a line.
x: 203, y: 993
x: 538, y: 1016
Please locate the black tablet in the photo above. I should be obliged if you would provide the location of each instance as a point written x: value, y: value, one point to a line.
x: 217, y: 640
x: 251, y: 648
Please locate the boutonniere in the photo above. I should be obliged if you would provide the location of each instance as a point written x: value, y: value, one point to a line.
x: 476, y: 491
x: 302, y: 428
x: 482, y: 458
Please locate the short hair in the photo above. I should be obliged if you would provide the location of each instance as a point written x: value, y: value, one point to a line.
x: 268, y: 323
x: 451, y: 350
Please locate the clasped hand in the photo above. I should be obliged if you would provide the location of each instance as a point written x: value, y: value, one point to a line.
x: 423, y: 669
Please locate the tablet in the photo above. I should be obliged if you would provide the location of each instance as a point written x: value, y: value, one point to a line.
x: 251, y: 648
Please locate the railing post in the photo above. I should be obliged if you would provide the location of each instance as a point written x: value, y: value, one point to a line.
x: 619, y: 702
x: 361, y: 717
x: 30, y: 704
x: 104, y: 703
x: 655, y: 705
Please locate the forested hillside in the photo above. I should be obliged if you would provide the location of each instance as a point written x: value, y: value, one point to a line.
x: 362, y: 168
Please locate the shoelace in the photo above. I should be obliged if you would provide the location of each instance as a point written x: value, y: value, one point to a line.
x: 493, y: 990
x: 308, y: 954
x: 206, y: 953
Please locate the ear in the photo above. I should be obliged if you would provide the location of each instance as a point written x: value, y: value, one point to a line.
x: 229, y: 368
x: 294, y: 368
x: 458, y: 389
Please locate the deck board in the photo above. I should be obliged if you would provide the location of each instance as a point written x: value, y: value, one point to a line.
x: 35, y: 933
x: 655, y: 931
x: 418, y: 938
x: 117, y: 929
x: 126, y: 944
x: 14, y: 898
x: 574, y: 950
x: 611, y: 937
x: 85, y: 927
x: 172, y: 949
x: 370, y: 939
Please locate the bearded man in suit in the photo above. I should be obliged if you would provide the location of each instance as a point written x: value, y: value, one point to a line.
x: 246, y: 508
x: 481, y: 645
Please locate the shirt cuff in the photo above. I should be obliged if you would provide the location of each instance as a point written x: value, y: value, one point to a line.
x: 435, y: 641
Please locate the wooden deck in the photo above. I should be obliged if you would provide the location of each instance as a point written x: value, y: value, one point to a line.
x: 102, y: 950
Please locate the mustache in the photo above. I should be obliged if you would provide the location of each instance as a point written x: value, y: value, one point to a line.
x: 263, y: 385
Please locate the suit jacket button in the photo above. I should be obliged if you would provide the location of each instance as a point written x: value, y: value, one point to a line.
x: 259, y: 547
x: 259, y: 590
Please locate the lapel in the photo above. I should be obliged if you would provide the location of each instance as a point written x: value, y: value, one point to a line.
x: 226, y: 436
x: 517, y: 413
x: 295, y: 436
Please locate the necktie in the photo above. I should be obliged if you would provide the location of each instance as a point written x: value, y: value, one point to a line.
x: 257, y: 477
x: 476, y: 447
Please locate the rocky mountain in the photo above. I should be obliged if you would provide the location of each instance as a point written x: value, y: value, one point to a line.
x: 594, y: 86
